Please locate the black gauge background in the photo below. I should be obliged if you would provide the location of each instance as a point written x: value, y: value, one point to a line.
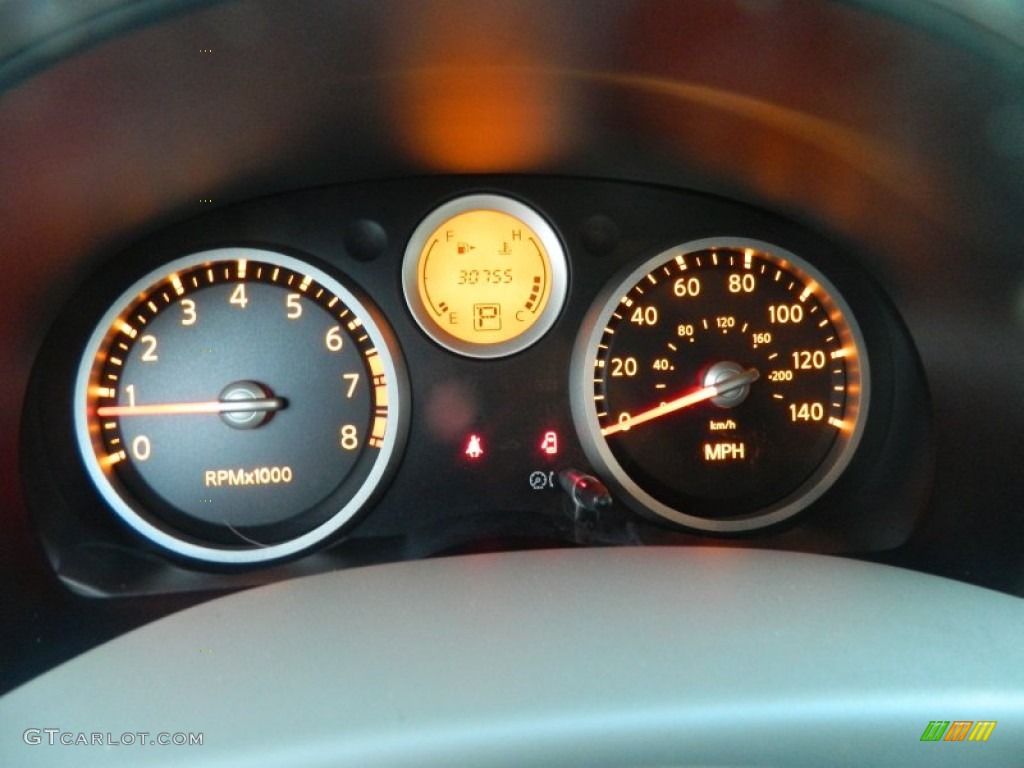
x: 663, y: 457
x: 360, y: 231
x: 257, y: 343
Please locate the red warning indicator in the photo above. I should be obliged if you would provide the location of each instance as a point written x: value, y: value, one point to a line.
x: 549, y: 444
x: 474, y: 448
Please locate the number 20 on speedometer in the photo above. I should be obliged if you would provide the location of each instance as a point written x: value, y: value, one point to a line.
x: 721, y: 385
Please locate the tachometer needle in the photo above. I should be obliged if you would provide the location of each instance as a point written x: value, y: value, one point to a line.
x: 255, y: 405
x: 698, y: 396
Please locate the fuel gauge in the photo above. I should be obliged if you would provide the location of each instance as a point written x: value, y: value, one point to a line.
x: 485, y: 276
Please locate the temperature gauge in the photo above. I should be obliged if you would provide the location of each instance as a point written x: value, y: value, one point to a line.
x: 485, y: 276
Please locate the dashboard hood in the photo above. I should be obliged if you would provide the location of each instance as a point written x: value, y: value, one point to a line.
x: 715, y: 657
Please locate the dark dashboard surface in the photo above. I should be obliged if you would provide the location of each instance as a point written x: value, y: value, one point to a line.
x: 884, y: 148
x: 508, y: 496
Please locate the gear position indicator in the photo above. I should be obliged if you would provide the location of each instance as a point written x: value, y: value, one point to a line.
x: 485, y: 276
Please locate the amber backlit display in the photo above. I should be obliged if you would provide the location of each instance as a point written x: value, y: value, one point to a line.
x: 484, y: 278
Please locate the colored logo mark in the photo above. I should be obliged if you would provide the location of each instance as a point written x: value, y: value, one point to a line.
x: 958, y: 730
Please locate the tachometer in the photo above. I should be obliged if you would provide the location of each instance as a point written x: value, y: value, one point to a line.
x: 239, y: 405
x: 721, y: 385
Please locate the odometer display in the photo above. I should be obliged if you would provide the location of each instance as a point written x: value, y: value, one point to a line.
x: 485, y: 276
x: 722, y: 385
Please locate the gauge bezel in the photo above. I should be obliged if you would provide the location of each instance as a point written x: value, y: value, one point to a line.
x: 605, y: 463
x: 557, y: 261
x: 383, y: 466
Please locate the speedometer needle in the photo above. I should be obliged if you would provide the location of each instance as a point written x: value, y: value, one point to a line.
x: 698, y: 396
x: 255, y: 405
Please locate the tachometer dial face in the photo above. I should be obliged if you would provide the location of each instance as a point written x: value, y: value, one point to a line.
x: 485, y: 276
x: 722, y: 385
x: 239, y: 405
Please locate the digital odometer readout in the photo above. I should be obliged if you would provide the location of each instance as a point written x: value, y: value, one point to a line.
x: 485, y: 276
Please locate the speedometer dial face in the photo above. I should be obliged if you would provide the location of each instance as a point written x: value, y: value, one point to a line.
x: 722, y: 386
x: 239, y: 405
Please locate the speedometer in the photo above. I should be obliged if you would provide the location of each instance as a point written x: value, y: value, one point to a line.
x: 722, y: 385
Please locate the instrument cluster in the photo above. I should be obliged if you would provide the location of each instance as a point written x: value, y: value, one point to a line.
x: 409, y: 368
